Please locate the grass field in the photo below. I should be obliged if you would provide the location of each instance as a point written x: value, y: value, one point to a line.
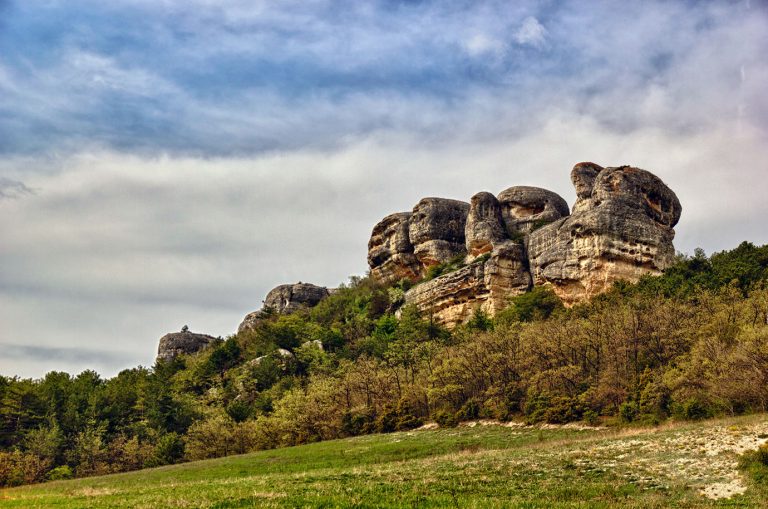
x: 682, y: 465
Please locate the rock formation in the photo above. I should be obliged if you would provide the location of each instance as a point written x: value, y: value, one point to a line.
x: 181, y: 343
x: 526, y: 208
x: 286, y: 299
x: 436, y: 230
x: 405, y: 244
x: 390, y: 252
x: 621, y: 228
x: 485, y: 225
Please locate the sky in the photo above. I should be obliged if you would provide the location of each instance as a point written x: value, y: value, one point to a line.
x: 166, y: 163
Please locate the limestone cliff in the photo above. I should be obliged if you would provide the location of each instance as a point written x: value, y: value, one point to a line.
x: 621, y: 228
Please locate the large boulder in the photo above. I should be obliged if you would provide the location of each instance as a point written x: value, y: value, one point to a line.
x: 181, y: 343
x: 621, y: 229
x: 286, y: 299
x: 436, y: 230
x: 485, y: 225
x: 390, y: 252
x: 525, y: 208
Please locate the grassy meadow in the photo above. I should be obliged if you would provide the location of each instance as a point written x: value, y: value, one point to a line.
x: 482, y: 465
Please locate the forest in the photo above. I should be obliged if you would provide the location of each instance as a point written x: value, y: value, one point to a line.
x: 687, y: 345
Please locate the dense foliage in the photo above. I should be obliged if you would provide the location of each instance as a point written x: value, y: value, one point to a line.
x: 689, y: 344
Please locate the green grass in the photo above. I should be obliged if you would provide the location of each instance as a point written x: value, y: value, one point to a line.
x: 480, y: 467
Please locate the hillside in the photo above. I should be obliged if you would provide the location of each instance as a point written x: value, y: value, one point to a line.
x: 688, y: 345
x: 477, y: 465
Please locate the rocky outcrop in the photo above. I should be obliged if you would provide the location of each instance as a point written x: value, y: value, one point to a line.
x: 390, y: 252
x: 285, y: 299
x: 404, y: 245
x: 181, y: 343
x: 526, y: 208
x: 436, y: 230
x: 485, y: 284
x: 621, y: 229
x: 485, y: 225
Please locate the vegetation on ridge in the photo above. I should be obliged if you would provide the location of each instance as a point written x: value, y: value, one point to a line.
x: 690, y: 344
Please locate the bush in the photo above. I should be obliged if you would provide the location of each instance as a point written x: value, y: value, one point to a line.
x: 169, y: 449
x: 554, y: 409
x: 538, y: 304
x: 591, y: 417
x: 445, y: 419
x: 356, y: 423
x: 239, y: 410
x: 468, y: 412
x: 628, y: 411
x: 695, y: 410
x: 761, y: 455
x: 18, y: 468
x: 61, y: 473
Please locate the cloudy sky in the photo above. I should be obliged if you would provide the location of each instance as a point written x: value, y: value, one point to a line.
x: 167, y: 162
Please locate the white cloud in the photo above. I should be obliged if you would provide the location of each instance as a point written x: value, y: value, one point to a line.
x: 116, y: 249
x: 482, y: 44
x: 531, y: 33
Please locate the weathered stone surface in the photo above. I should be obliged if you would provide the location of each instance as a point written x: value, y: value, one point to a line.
x: 289, y: 298
x: 526, y: 208
x: 286, y: 299
x: 181, y: 343
x: 436, y: 230
x: 583, y: 177
x: 251, y: 320
x: 621, y: 230
x: 452, y: 299
x: 485, y: 226
x: 390, y: 252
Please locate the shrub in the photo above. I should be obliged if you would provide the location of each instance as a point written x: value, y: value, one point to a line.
x: 591, y: 417
x: 695, y: 410
x: 445, y: 419
x: 628, y: 411
x: 356, y: 423
x: 18, y: 468
x: 538, y: 304
x: 60, y: 473
x: 468, y: 412
x: 554, y: 409
x: 169, y: 449
x: 239, y: 410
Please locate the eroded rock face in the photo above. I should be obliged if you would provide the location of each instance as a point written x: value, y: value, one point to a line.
x: 289, y: 298
x: 526, y: 208
x: 286, y: 299
x: 181, y: 343
x: 390, y: 252
x: 621, y: 229
x: 453, y: 298
x: 485, y: 226
x: 436, y: 230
